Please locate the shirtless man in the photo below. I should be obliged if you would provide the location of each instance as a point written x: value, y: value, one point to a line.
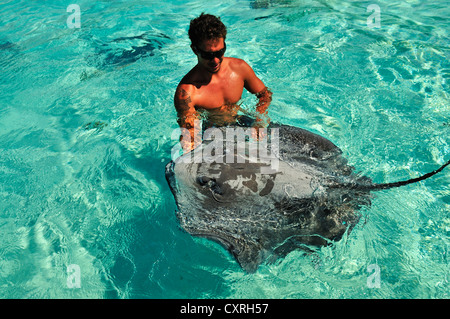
x: 215, y: 85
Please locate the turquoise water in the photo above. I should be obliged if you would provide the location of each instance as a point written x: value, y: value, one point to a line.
x: 86, y: 117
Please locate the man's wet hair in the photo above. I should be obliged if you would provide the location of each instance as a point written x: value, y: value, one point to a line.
x: 206, y: 27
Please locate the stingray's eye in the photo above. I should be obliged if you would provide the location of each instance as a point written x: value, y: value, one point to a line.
x: 203, y: 180
x: 211, y: 183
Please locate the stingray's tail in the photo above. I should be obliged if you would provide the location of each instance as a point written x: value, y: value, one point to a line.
x: 407, y: 182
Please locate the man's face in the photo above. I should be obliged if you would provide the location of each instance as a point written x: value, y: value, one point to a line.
x: 211, y: 62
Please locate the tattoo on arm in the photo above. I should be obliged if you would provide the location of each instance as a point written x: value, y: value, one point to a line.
x: 187, y: 116
x: 182, y: 104
x: 183, y: 101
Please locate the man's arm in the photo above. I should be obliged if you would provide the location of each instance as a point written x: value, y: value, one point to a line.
x: 265, y: 97
x: 187, y: 116
x: 255, y: 86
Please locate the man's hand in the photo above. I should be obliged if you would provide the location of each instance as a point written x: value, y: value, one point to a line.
x: 264, y: 99
x: 262, y: 118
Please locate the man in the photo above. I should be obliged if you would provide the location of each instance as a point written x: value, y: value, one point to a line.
x: 215, y: 85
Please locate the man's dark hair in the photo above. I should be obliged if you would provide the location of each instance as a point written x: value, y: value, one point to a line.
x: 206, y: 27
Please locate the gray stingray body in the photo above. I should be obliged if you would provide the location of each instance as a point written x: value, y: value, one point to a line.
x: 310, y: 198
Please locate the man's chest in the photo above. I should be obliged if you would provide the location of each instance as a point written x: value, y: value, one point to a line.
x: 217, y: 94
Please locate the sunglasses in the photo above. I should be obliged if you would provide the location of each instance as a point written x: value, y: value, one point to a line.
x: 211, y: 55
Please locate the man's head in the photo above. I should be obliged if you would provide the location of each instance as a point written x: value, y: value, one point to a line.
x: 206, y: 27
x: 207, y: 34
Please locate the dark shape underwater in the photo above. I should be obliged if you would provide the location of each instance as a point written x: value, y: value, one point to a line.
x: 311, y: 200
x: 123, y: 51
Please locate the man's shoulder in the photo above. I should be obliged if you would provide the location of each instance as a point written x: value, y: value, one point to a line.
x: 189, y: 78
x: 187, y: 82
x: 238, y: 65
x: 235, y: 61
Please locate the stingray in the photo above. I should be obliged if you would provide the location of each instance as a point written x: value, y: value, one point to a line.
x: 123, y: 51
x: 292, y: 189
